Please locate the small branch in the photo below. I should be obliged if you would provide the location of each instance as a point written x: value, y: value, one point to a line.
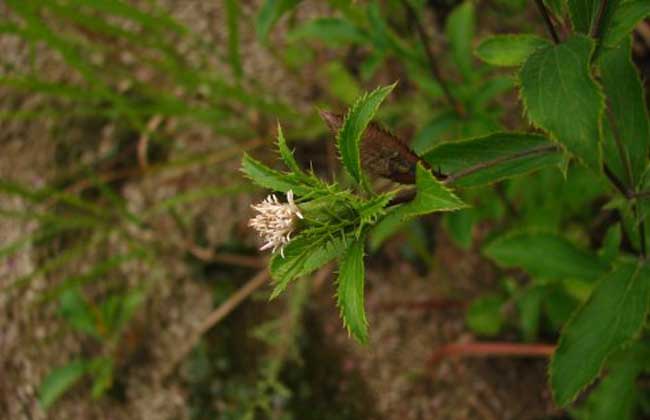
x: 484, y: 165
x: 217, y: 315
x: 433, y: 63
x: 547, y: 21
x: 618, y: 184
x: 595, y: 29
x: 494, y: 349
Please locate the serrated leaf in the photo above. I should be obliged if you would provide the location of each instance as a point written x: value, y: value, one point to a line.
x: 355, y: 123
x: 459, y: 30
x: 510, y: 154
x: 59, y: 381
x: 613, y: 316
x: 373, y: 208
x: 620, y: 19
x: 350, y: 291
x: 286, y: 154
x: 302, y: 255
x: 509, y: 50
x: 269, y: 178
x: 561, y: 97
x: 625, y: 95
x: 545, y: 255
x: 431, y: 196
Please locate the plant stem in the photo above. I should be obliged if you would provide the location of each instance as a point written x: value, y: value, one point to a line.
x: 618, y: 184
x: 547, y: 21
x: 491, y: 350
x: 595, y: 29
x: 433, y: 63
x: 484, y: 165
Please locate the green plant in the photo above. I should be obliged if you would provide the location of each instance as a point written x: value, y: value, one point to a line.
x: 582, y: 92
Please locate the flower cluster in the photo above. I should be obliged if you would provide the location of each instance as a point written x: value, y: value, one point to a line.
x: 275, y: 221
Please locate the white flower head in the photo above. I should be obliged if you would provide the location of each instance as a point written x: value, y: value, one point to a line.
x: 275, y: 221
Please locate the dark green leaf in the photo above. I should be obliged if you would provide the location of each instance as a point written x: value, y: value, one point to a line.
x: 624, y: 17
x: 582, y: 14
x: 529, y: 305
x: 561, y: 97
x: 496, y: 157
x: 546, y: 255
x: 355, y: 123
x: 613, y: 316
x: 626, y: 103
x: 460, y: 226
x: 59, y: 381
x: 509, y: 50
x: 350, y: 291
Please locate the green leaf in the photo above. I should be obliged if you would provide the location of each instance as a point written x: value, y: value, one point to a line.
x: 509, y: 50
x: 496, y: 156
x: 389, y: 225
x: 546, y: 255
x: 76, y: 311
x: 529, y: 305
x: 558, y: 7
x: 613, y: 316
x: 302, y: 255
x: 350, y: 291
x: 625, y: 94
x: 611, y: 244
x: 59, y: 381
x: 270, y: 12
x: 484, y: 315
x: 269, y: 178
x: 459, y: 30
x: 582, y: 14
x: 355, y: 123
x: 460, y: 226
x: 330, y: 30
x: 286, y: 154
x: 625, y: 15
x: 617, y: 395
x: 232, y: 13
x: 431, y: 196
x: 101, y: 369
x: 561, y: 97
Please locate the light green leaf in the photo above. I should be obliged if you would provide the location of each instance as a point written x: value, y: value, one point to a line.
x: 625, y: 94
x: 76, y: 311
x: 269, y: 13
x: 484, y: 315
x: 625, y: 15
x: 269, y: 178
x: 496, y: 156
x: 459, y: 30
x: 545, y: 255
x: 59, y: 381
x: 613, y: 316
x: 350, y: 291
x: 355, y: 123
x: 330, y: 30
x: 302, y: 255
x: 509, y: 50
x: 561, y: 97
x: 431, y: 196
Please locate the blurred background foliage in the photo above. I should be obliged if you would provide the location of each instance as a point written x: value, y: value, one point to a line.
x: 123, y: 212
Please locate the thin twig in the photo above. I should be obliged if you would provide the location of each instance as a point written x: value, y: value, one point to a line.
x: 484, y: 165
x: 433, y: 63
x: 547, y: 21
x: 219, y: 314
x: 494, y: 349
